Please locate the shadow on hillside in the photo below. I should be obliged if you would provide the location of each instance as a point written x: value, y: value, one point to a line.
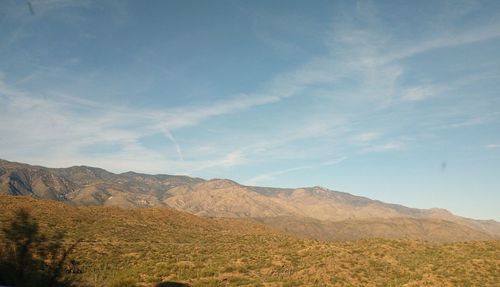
x: 172, y: 284
x: 29, y: 258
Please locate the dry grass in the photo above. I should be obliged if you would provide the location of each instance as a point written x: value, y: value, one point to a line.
x: 147, y: 246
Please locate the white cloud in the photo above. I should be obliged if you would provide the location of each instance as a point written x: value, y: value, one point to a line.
x: 419, y: 93
x: 493, y: 146
x: 446, y: 40
x: 58, y: 125
x: 390, y: 146
x: 177, y: 146
x: 266, y: 177
x: 367, y: 136
x: 52, y: 131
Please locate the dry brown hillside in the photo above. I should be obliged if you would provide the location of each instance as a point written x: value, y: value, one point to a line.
x: 124, y: 247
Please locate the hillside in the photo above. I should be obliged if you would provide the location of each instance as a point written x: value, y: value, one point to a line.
x: 430, y: 229
x: 310, y: 212
x: 148, y: 246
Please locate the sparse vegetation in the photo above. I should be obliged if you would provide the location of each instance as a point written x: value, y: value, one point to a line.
x: 142, y: 247
x: 29, y: 258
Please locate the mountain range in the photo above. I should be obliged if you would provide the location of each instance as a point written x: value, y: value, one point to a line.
x: 311, y: 212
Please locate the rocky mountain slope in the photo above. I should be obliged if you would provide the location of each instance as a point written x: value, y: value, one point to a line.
x: 312, y: 212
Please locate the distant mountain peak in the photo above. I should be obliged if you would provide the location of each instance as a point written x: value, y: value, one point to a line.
x: 320, y: 188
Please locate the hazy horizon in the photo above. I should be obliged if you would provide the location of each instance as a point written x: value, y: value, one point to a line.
x: 379, y: 99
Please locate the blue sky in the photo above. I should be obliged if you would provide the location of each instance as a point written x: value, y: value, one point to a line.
x: 392, y: 100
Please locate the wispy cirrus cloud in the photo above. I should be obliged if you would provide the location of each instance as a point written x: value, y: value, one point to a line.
x: 367, y: 136
x: 357, y: 78
x: 390, y: 146
x: 446, y: 40
x: 419, y: 93
x: 49, y: 122
x: 266, y: 177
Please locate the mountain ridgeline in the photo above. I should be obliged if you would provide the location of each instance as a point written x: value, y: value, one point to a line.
x: 313, y: 212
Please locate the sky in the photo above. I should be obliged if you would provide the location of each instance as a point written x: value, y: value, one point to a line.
x: 393, y: 100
